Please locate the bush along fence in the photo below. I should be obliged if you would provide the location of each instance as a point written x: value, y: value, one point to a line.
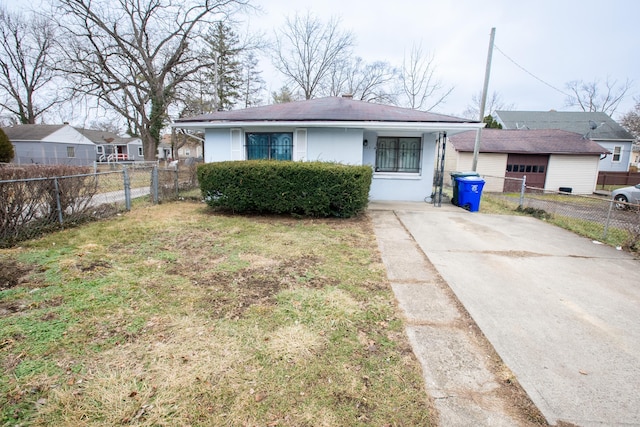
x: 39, y: 199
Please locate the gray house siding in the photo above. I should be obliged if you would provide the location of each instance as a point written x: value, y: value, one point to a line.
x: 615, y: 162
x: 53, y: 153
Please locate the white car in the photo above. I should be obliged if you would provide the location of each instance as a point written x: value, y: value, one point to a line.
x: 625, y: 195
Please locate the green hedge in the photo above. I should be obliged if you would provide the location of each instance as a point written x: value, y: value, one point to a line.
x: 316, y: 189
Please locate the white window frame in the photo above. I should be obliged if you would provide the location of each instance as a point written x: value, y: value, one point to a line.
x: 619, y: 150
x: 71, y: 152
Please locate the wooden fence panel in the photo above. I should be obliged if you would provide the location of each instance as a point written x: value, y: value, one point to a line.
x: 618, y: 178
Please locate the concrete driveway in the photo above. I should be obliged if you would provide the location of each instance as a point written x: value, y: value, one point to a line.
x: 562, y: 311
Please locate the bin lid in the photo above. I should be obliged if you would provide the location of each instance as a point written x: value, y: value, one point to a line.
x: 471, y: 179
x: 456, y: 174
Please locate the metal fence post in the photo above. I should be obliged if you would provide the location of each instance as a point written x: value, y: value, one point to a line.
x: 154, y: 184
x: 127, y: 188
x: 58, y: 204
x: 176, y: 182
x: 522, y: 188
x: 606, y: 224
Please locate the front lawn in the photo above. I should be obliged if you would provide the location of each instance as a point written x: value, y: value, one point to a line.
x: 174, y: 315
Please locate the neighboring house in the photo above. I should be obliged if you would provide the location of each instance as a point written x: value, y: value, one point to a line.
x: 165, y: 152
x: 113, y: 148
x: 189, y: 147
x: 549, y: 158
x: 398, y: 143
x: 50, y: 145
x: 596, y: 126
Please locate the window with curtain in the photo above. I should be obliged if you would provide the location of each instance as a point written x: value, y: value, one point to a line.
x: 398, y: 155
x: 273, y: 146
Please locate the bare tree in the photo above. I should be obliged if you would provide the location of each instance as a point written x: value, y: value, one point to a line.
x: 494, y: 103
x: 596, y: 96
x: 420, y: 87
x: 366, y: 82
x: 134, y: 56
x: 26, y: 74
x: 631, y: 120
x: 307, y: 49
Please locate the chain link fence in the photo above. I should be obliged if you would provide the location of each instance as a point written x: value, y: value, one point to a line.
x: 30, y: 207
x: 595, y: 215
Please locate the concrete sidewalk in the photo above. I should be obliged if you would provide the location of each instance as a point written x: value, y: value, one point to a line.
x: 561, y: 311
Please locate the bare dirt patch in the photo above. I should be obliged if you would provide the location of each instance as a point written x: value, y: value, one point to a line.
x: 13, y: 273
x: 230, y: 294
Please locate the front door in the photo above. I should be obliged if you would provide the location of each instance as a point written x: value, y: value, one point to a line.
x: 533, y: 166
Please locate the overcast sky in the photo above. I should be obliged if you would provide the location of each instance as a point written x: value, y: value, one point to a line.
x: 555, y: 40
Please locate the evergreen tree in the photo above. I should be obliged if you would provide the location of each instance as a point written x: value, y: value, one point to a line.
x: 253, y: 84
x: 226, y: 75
x: 6, y: 148
x: 491, y: 122
x: 283, y: 96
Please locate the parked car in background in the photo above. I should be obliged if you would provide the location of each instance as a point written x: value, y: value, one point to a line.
x: 626, y: 195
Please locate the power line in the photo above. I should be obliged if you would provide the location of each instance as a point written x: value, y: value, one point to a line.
x: 530, y: 73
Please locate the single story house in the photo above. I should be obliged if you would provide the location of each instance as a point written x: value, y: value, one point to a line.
x: 398, y: 143
x: 50, y: 144
x: 596, y: 126
x: 188, y: 146
x: 549, y: 158
x: 113, y: 148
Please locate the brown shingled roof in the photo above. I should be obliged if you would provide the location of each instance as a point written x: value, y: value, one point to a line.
x: 326, y: 109
x: 543, y: 141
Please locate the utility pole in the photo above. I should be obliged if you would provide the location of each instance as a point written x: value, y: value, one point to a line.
x: 487, y: 72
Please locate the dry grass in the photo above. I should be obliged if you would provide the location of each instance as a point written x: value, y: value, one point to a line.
x: 174, y: 315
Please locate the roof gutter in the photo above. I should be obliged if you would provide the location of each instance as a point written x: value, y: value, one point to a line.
x: 373, y: 125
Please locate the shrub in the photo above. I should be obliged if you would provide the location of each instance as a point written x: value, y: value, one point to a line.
x: 316, y: 189
x: 6, y: 148
x: 29, y: 204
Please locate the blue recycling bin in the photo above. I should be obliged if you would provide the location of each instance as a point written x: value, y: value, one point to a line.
x: 454, y: 183
x: 469, y: 192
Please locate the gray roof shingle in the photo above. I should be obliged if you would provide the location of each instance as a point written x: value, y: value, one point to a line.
x: 326, y: 109
x: 40, y: 132
x: 572, y: 121
x: 541, y: 141
x: 30, y: 132
x: 104, y: 137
